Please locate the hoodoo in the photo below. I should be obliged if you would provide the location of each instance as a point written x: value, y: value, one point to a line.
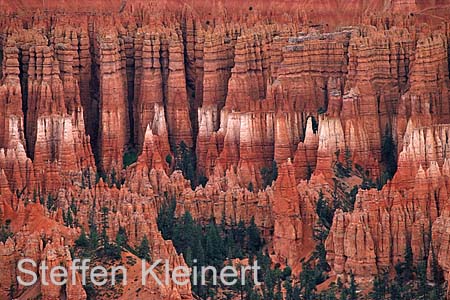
x: 309, y: 138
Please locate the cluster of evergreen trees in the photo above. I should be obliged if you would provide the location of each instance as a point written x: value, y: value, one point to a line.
x: 343, y: 170
x: 186, y: 161
x: 209, y: 244
x: 388, y: 156
x: 129, y: 158
x: 216, y: 244
x: 410, y: 281
x: 269, y: 174
x: 98, y: 245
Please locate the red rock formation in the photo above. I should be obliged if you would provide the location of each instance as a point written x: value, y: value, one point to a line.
x: 291, y: 237
x: 308, y: 61
x: 396, y: 216
x: 247, y: 80
x: 11, y: 97
x: 217, y: 61
x: 113, y: 131
x: 148, y: 81
x: 243, y: 84
x: 177, y: 100
x: 305, y: 157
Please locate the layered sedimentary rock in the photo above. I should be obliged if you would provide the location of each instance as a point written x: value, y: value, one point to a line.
x: 39, y: 238
x: 148, y: 82
x: 54, y: 123
x: 247, y: 81
x: 399, y: 215
x: 290, y: 236
x: 75, y: 42
x: 250, y: 88
x: 113, y: 130
x: 12, y: 131
x: 308, y: 61
x: 217, y: 61
x: 177, y: 100
x: 305, y: 156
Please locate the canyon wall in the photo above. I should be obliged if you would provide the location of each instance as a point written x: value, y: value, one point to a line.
x: 237, y: 112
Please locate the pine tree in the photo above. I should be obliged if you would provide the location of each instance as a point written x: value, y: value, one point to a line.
x: 389, y: 153
x: 352, y: 295
x: 113, y: 178
x: 289, y: 289
x: 296, y: 293
x: 166, y: 219
x: 198, y: 251
x: 395, y: 290
x: 321, y: 254
x: 186, y: 162
x: 50, y: 203
x: 348, y: 160
x: 239, y: 234
x: 184, y: 233
x: 380, y: 285
x: 129, y: 158
x: 82, y: 240
x: 12, y: 291
x: 438, y: 277
x: 324, y: 211
x: 269, y: 284
x: 93, y: 232
x: 307, y: 282
x: 143, y: 250
x: 121, y: 237
x: 343, y: 295
x: 214, y: 245
x: 169, y: 159
x: 408, y: 264
x: 68, y: 218
x: 422, y: 278
x: 269, y: 174
x: 254, y: 237
x: 188, y: 257
x: 93, y: 237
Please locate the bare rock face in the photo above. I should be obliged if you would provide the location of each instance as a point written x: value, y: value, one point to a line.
x: 247, y: 81
x: 113, y: 131
x: 329, y: 96
x: 135, y: 213
x: 12, y: 130
x: 177, y: 104
x: 50, y: 100
x: 36, y: 237
x: 428, y: 95
x: 152, y: 154
x: 217, y: 61
x: 290, y: 237
x: 385, y: 222
x: 305, y: 156
x: 148, y: 82
x: 55, y: 254
x: 331, y: 143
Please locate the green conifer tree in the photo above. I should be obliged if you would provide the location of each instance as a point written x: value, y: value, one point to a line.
x: 143, y: 250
